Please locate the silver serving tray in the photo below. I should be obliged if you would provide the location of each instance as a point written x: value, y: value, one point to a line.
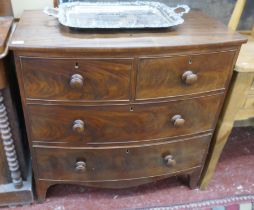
x: 117, y: 15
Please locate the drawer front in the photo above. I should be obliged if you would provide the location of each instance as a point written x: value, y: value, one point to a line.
x: 70, y: 79
x: 120, y: 163
x: 179, y: 75
x: 111, y: 124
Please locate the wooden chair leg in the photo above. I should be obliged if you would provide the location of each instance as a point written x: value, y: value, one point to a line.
x: 236, y: 15
x: 220, y: 137
x: 234, y: 101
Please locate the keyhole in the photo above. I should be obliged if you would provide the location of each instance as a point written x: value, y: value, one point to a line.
x: 131, y: 109
x: 76, y: 66
x: 127, y: 151
x: 190, y: 61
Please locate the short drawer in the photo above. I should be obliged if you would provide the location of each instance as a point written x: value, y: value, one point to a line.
x: 76, y: 79
x: 180, y: 75
x: 77, y: 125
x: 107, y: 164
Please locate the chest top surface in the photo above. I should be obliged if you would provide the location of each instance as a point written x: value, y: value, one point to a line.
x: 38, y: 31
x: 5, y: 25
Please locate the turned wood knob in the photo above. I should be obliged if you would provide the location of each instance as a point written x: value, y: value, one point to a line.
x: 178, y: 121
x: 76, y: 81
x: 169, y: 160
x: 78, y: 126
x: 80, y: 166
x: 189, y: 77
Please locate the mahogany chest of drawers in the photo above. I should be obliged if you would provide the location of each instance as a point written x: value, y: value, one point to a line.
x: 119, y: 109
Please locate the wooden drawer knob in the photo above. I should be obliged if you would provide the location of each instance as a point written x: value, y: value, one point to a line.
x: 169, y: 160
x: 178, y: 121
x: 76, y: 81
x: 189, y: 77
x: 78, y: 126
x: 80, y: 166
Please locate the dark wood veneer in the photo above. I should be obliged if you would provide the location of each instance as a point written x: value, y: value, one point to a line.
x: 54, y: 123
x: 163, y: 76
x: 43, y: 34
x: 142, y: 102
x: 5, y: 30
x: 109, y: 164
x: 103, y: 79
x: 6, y: 8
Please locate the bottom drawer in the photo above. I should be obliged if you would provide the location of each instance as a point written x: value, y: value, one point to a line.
x: 109, y: 164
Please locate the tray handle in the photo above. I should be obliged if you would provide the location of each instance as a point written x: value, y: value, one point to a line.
x: 51, y: 11
x: 185, y: 7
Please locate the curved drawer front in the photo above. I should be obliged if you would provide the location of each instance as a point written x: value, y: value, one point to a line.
x: 106, y: 124
x: 102, y: 164
x: 180, y: 75
x: 76, y: 79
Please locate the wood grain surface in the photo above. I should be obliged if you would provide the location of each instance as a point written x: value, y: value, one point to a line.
x: 43, y: 32
x: 107, y: 164
x: 5, y: 28
x: 5, y: 8
x: 118, y: 124
x: 245, y: 61
x: 143, y: 100
x: 162, y: 77
x: 103, y: 79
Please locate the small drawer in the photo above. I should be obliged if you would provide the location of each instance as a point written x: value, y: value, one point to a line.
x: 82, y: 125
x: 76, y: 79
x: 180, y: 75
x: 107, y: 164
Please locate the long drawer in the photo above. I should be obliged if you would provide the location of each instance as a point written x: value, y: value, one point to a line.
x: 107, y: 164
x: 181, y: 75
x: 76, y: 79
x: 81, y: 125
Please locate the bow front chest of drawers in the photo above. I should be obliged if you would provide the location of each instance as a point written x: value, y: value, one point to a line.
x: 121, y: 108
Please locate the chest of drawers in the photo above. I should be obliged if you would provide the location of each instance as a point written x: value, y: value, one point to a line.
x: 120, y: 109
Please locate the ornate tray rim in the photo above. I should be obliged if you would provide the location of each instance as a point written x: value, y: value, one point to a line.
x: 166, y: 11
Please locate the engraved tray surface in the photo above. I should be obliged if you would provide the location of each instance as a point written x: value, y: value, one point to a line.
x: 114, y: 15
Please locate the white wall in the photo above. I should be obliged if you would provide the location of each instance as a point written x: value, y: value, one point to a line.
x: 20, y: 5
